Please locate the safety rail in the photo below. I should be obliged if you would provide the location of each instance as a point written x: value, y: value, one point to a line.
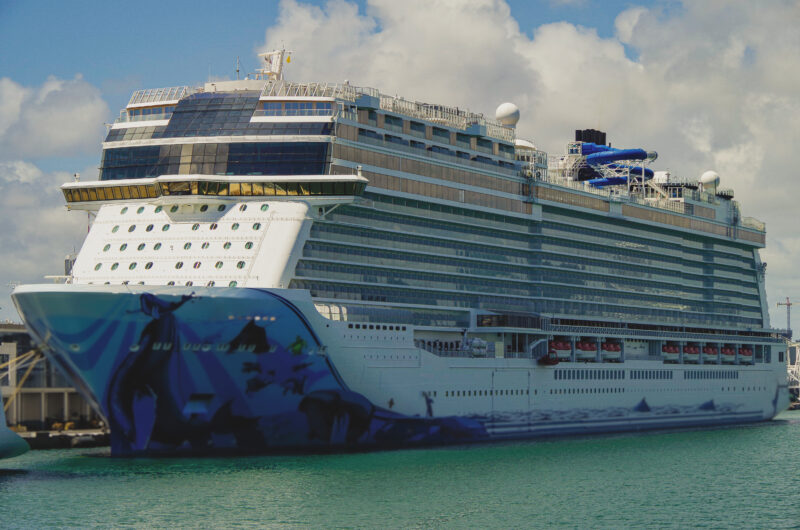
x: 754, y: 224
x: 442, y: 114
x: 160, y: 95
x: 294, y: 112
x: 314, y: 90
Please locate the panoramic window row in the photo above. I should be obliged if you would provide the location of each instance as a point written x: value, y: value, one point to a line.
x: 247, y: 158
x: 212, y: 188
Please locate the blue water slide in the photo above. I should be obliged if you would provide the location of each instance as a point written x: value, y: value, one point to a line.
x: 605, y: 155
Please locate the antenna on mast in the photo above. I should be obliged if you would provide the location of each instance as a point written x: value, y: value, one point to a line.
x: 273, y: 64
x: 237, y: 67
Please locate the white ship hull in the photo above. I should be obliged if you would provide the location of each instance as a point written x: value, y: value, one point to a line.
x: 221, y: 369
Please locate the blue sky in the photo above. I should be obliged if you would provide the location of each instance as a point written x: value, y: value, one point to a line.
x: 709, y: 84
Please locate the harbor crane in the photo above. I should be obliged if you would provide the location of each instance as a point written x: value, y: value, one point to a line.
x: 788, y: 305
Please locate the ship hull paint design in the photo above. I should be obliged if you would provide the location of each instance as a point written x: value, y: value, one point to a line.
x: 203, y: 370
x: 239, y: 370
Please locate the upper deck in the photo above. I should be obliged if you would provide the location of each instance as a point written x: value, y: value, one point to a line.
x: 274, y: 127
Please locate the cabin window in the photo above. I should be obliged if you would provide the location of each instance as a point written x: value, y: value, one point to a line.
x: 179, y: 265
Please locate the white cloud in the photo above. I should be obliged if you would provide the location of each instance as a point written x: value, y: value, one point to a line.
x: 713, y: 84
x: 38, y: 231
x: 59, y: 118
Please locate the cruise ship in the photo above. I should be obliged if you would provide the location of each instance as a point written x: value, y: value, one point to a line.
x: 283, y: 266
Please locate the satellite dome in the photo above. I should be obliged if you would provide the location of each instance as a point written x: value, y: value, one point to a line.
x: 507, y: 114
x: 519, y: 143
x: 709, y: 180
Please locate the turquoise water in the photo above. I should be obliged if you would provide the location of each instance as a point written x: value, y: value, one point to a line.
x: 733, y: 477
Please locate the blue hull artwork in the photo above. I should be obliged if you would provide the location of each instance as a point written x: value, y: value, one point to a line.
x: 233, y: 370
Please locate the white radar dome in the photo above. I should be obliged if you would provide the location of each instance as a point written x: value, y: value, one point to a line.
x: 710, y: 180
x: 507, y: 114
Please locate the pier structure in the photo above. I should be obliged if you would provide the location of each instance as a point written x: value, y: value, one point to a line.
x: 43, y: 400
x: 793, y: 368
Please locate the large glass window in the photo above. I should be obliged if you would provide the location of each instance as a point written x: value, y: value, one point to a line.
x: 251, y: 158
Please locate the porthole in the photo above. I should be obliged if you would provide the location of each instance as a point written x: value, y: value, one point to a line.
x: 256, y: 226
x: 131, y: 228
x: 114, y: 266
x: 148, y: 265
x: 158, y: 209
x: 170, y: 283
x: 165, y: 228
x: 105, y: 248
x: 233, y: 284
x: 140, y: 209
x: 190, y: 282
x: 174, y: 208
x: 248, y: 245
x: 132, y: 266
x: 213, y: 226
x: 264, y: 207
x: 123, y: 246
x: 227, y: 245
x: 97, y: 267
x: 240, y: 265
x: 204, y: 245
x: 157, y: 246
x: 179, y: 265
x: 221, y: 208
x: 124, y: 210
x: 196, y: 264
x: 218, y: 265
x: 203, y: 208
x: 195, y: 226
x: 210, y: 284
x: 243, y: 207
x: 235, y: 226
x: 149, y: 228
x: 141, y: 246
x: 114, y: 230
x: 187, y: 246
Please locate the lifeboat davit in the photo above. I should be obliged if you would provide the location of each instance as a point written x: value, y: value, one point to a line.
x: 563, y: 349
x: 670, y: 352
x: 691, y: 353
x: 728, y: 354
x: 611, y: 351
x: 709, y: 353
x: 585, y: 350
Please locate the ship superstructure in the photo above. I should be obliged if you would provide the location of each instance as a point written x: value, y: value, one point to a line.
x: 278, y: 265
